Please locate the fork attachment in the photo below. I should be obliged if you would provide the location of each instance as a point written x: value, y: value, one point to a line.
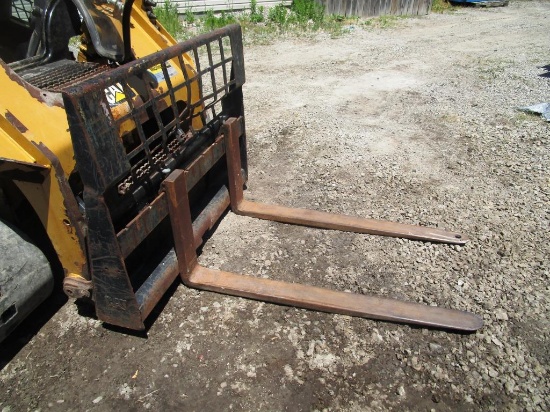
x: 308, y: 297
x: 170, y: 156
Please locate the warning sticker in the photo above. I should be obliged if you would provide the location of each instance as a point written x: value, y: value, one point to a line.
x: 115, y: 95
x: 158, y: 73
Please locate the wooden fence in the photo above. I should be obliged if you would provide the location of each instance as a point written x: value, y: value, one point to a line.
x: 361, y: 8
x: 370, y: 8
x: 200, y: 6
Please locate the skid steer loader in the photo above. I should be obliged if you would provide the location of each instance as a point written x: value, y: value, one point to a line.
x: 122, y: 154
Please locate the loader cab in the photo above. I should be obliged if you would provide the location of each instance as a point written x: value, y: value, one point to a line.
x: 30, y: 29
x: 38, y: 32
x: 15, y: 28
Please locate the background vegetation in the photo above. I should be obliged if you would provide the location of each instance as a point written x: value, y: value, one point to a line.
x: 262, y: 25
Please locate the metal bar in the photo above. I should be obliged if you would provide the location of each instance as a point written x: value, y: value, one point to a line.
x: 166, y: 272
x: 210, y: 215
x: 142, y: 225
x: 115, y: 301
x: 156, y: 285
x: 145, y: 222
x: 180, y: 217
x: 346, y: 223
x: 326, y: 300
x: 188, y: 236
x: 204, y: 162
x: 121, y: 73
x: 232, y: 130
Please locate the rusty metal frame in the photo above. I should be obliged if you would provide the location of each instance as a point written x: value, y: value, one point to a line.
x: 313, y: 218
x: 309, y: 297
x: 174, y: 120
x: 162, y: 180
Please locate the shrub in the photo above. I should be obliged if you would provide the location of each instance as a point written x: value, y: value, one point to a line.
x: 306, y: 10
x: 256, y: 13
x: 278, y: 14
x: 215, y: 21
x: 442, y: 6
x: 167, y: 14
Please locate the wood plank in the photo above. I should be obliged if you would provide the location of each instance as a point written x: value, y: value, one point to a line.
x: 394, y: 6
x: 372, y: 11
x: 403, y: 7
x: 348, y: 8
x: 387, y: 6
x: 361, y: 8
x: 349, y: 5
x: 197, y: 6
x: 413, y: 8
x: 353, y: 8
x: 419, y: 6
x: 427, y: 7
x: 356, y: 7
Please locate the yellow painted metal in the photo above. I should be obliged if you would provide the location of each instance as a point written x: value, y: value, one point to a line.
x: 41, y: 122
x: 14, y: 145
x: 31, y: 118
x: 47, y: 200
x: 147, y: 39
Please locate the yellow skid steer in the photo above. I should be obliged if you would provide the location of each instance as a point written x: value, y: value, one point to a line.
x: 121, y: 152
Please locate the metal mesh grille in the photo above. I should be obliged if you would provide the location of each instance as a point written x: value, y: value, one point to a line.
x: 21, y: 9
x: 159, y: 110
x: 61, y: 74
x: 173, y: 115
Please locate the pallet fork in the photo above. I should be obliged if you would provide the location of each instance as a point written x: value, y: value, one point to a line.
x: 309, y: 297
x: 129, y: 194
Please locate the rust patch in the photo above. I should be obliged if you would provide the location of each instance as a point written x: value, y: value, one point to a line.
x: 15, y: 122
x: 51, y: 99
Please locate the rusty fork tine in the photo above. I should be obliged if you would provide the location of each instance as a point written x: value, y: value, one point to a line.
x: 326, y: 300
x: 345, y: 223
x: 232, y: 129
x: 303, y: 296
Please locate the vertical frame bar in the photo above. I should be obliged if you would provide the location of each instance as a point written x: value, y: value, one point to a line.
x: 175, y: 186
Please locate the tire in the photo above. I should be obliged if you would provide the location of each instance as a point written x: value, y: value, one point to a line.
x: 26, y: 278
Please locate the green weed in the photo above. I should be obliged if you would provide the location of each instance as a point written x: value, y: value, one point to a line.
x: 261, y: 26
x: 213, y: 21
x: 256, y: 13
x: 167, y: 14
x: 308, y: 10
x: 383, y: 22
x: 442, y: 6
x: 278, y: 15
x: 189, y: 17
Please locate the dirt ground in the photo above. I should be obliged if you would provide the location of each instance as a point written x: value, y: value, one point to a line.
x: 416, y: 123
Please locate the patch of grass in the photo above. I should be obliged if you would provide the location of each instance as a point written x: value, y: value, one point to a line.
x: 278, y: 15
x: 303, y: 15
x: 335, y: 26
x: 490, y: 69
x: 213, y: 21
x: 189, y: 17
x: 262, y: 26
x: 256, y: 13
x: 383, y: 22
x: 442, y: 6
x: 521, y: 117
x: 167, y: 14
x: 308, y: 10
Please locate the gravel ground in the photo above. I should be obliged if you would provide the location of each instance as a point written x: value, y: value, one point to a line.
x: 416, y: 124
